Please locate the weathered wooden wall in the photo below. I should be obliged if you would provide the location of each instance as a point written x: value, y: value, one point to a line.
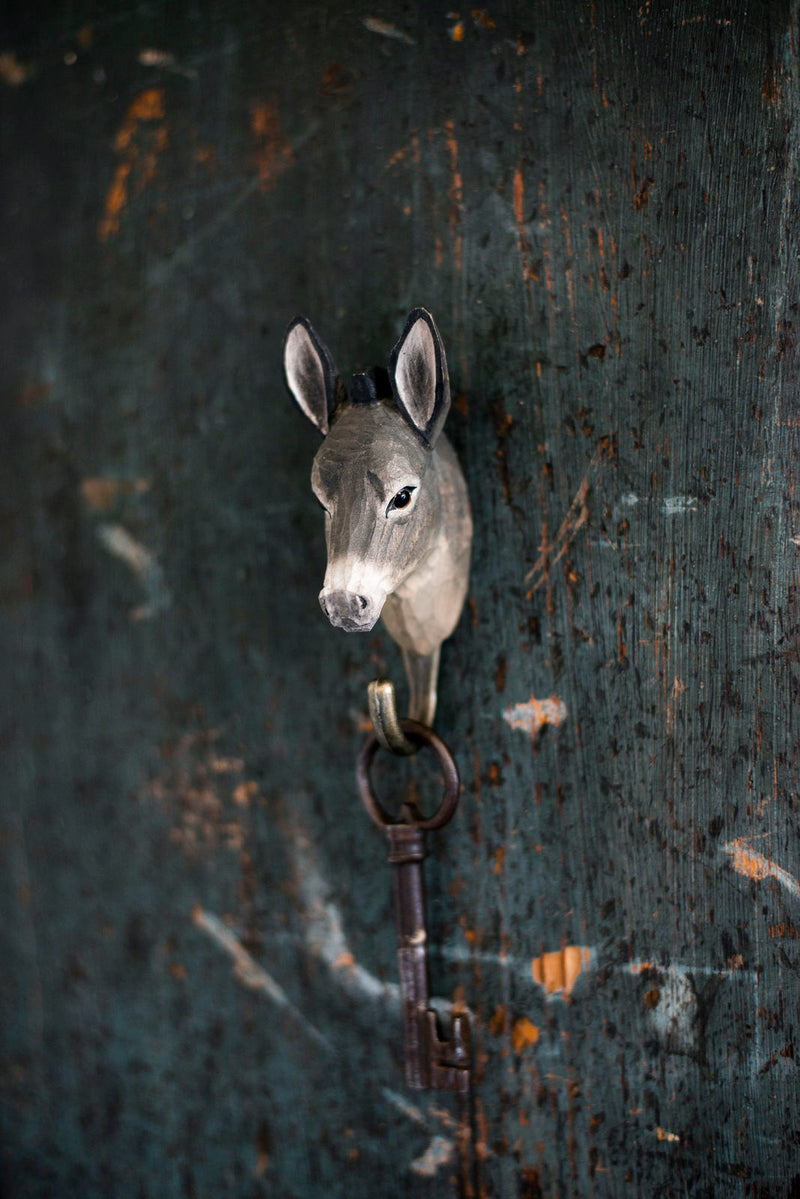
x: 598, y: 202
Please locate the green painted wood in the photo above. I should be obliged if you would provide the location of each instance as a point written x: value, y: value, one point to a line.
x: 598, y: 204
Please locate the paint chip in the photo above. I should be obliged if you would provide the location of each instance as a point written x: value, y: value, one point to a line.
x: 13, y: 72
x: 559, y: 970
x: 138, y: 150
x: 523, y: 1034
x: 99, y: 493
x: 439, y: 1153
x: 663, y: 1135
x: 747, y: 861
x: 156, y: 58
x: 482, y: 19
x: 674, y: 1013
x: 676, y: 505
x: 387, y: 29
x: 118, y: 541
x: 499, y: 1021
x: 533, y: 715
x: 577, y: 516
x: 325, y: 935
x: 247, y: 971
x: 273, y: 153
x: 244, y: 792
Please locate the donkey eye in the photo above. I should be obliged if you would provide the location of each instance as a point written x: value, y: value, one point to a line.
x: 401, y: 500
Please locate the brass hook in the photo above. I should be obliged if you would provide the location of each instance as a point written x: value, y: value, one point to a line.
x: 385, y: 722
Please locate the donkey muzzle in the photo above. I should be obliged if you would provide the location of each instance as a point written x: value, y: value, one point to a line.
x: 348, y: 611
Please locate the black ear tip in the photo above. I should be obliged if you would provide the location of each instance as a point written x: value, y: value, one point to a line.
x: 415, y: 315
x: 298, y: 320
x: 419, y: 314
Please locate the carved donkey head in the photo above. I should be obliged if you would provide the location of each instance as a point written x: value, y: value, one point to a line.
x: 397, y: 518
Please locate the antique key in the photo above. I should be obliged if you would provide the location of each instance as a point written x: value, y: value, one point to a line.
x: 430, y: 1061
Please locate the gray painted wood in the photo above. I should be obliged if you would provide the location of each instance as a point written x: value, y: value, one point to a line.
x: 599, y: 206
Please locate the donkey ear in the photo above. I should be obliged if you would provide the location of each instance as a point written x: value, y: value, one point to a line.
x: 310, y: 372
x: 418, y: 373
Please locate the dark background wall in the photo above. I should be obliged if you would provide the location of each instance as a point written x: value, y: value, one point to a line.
x: 598, y: 202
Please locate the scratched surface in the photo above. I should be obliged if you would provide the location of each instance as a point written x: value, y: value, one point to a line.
x: 597, y: 202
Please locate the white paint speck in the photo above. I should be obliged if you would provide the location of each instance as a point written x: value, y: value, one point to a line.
x: 673, y: 1016
x: 387, y: 29
x: 677, y: 505
x: 402, y: 1105
x: 439, y: 1153
x: 534, y: 714
x: 672, y: 505
x: 119, y: 542
x: 247, y: 970
x: 325, y: 935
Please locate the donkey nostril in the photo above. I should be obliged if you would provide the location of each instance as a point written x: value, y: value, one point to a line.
x: 362, y: 602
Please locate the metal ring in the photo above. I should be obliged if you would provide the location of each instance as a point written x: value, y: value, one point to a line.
x: 423, y: 736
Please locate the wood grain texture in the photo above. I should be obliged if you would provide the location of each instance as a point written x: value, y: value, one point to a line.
x: 598, y: 202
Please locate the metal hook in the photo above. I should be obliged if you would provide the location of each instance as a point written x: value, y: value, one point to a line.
x: 385, y: 722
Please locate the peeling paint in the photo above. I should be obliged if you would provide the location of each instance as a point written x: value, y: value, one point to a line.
x: 325, y: 935
x: 534, y: 714
x: 576, y: 518
x: 747, y: 861
x: 733, y: 968
x: 410, y: 1110
x: 677, y: 505
x: 244, y: 792
x: 523, y: 244
x: 559, y: 970
x: 387, y: 29
x: 671, y: 505
x: 247, y: 971
x: 523, y: 1034
x: 134, y: 152
x: 151, y: 57
x: 190, y: 790
x: 118, y: 541
x: 456, y: 195
x: 13, y: 72
x: 672, y: 1010
x: 439, y: 1153
x: 273, y: 152
x: 663, y: 1135
x: 482, y: 20
x: 99, y: 493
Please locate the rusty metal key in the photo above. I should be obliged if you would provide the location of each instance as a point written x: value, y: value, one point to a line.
x: 430, y: 1061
